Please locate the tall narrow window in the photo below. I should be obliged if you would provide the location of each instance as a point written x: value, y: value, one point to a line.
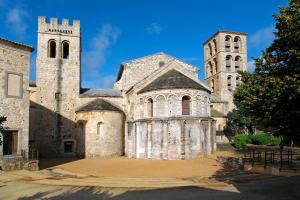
x: 237, y: 44
x: 237, y: 61
x: 227, y: 43
x: 99, y: 128
x: 52, y: 49
x: 210, y: 49
x: 216, y: 65
x: 228, y: 63
x: 150, y: 107
x: 229, y: 86
x: 210, y: 69
x: 186, y: 101
x: 215, y: 46
x: 65, y: 50
x: 212, y: 85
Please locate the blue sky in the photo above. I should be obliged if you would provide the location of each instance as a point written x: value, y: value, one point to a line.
x: 117, y: 30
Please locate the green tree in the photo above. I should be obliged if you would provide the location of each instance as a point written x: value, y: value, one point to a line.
x: 270, y: 95
x: 2, y: 120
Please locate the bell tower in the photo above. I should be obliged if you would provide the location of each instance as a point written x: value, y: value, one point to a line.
x: 225, y: 54
x: 58, y: 77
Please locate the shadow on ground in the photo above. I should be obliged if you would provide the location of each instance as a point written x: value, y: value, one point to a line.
x: 272, y: 188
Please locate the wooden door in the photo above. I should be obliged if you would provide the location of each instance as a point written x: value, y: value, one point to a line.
x: 14, y: 142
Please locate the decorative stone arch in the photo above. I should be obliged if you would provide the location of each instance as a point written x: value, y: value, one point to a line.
x: 149, y: 106
x: 199, y: 105
x: 210, y: 69
x: 215, y: 46
x: 52, y: 48
x: 173, y: 105
x: 215, y: 65
x: 160, y: 106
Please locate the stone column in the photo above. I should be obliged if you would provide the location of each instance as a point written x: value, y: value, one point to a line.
x: 138, y: 140
x: 182, y: 139
x: 165, y: 140
x: 149, y: 140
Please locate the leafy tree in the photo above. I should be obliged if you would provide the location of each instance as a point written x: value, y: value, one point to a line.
x: 2, y: 120
x: 270, y: 96
x: 239, y: 122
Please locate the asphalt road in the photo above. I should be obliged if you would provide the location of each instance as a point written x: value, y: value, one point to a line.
x: 281, y: 188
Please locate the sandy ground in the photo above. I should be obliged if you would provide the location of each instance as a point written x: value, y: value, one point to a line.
x: 126, y: 167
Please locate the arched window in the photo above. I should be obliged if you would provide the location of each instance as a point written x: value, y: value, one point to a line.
x: 150, y: 107
x: 227, y: 43
x: 186, y: 101
x: 210, y: 49
x: 237, y: 62
x: 229, y: 86
x: 212, y: 85
x: 228, y: 63
x: 215, y: 46
x: 237, y: 44
x: 210, y: 69
x: 65, y: 50
x: 216, y: 65
x: 52, y: 49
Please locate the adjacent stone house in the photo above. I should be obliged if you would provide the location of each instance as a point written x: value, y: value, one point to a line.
x: 14, y: 96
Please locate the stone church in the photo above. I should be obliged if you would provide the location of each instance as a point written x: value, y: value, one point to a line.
x: 157, y: 109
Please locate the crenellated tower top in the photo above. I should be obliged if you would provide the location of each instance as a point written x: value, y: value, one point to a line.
x: 55, y: 28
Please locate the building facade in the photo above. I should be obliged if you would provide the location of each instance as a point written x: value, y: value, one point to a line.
x: 157, y: 109
x: 14, y: 96
x: 225, y: 55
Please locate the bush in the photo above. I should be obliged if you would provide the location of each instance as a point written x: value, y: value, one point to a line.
x: 240, y: 140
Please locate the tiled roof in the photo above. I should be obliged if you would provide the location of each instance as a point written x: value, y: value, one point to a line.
x: 172, y: 80
x: 18, y: 45
x: 88, y: 92
x: 98, y: 105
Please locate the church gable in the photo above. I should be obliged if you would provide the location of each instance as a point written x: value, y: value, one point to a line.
x: 172, y: 79
x: 133, y: 71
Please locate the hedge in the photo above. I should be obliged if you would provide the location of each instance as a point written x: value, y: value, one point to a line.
x: 240, y: 140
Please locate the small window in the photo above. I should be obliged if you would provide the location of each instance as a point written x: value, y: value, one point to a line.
x: 99, y: 128
x: 52, y: 49
x: 228, y: 63
x: 229, y: 86
x: 210, y: 49
x: 68, y: 146
x: 14, y: 83
x: 238, y: 81
x: 150, y: 107
x: 227, y: 43
x: 161, y: 63
x: 215, y: 46
x: 186, y: 100
x: 65, y: 50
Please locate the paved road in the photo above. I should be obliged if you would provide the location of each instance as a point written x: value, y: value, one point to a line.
x: 272, y: 188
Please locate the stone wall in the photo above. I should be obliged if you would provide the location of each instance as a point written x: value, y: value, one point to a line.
x: 102, y: 133
x: 15, y: 60
x: 172, y: 138
x: 136, y: 70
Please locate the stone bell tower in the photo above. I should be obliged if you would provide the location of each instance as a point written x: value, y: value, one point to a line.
x: 225, y: 54
x: 58, y: 77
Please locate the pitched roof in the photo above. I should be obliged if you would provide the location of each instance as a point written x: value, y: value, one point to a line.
x: 172, y: 79
x: 17, y: 45
x: 88, y: 92
x: 98, y: 105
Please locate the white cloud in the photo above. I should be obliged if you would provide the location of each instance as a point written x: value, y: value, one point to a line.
x: 16, y: 20
x: 96, y: 55
x: 154, y: 28
x: 107, y: 81
x: 251, y: 66
x: 262, y: 38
